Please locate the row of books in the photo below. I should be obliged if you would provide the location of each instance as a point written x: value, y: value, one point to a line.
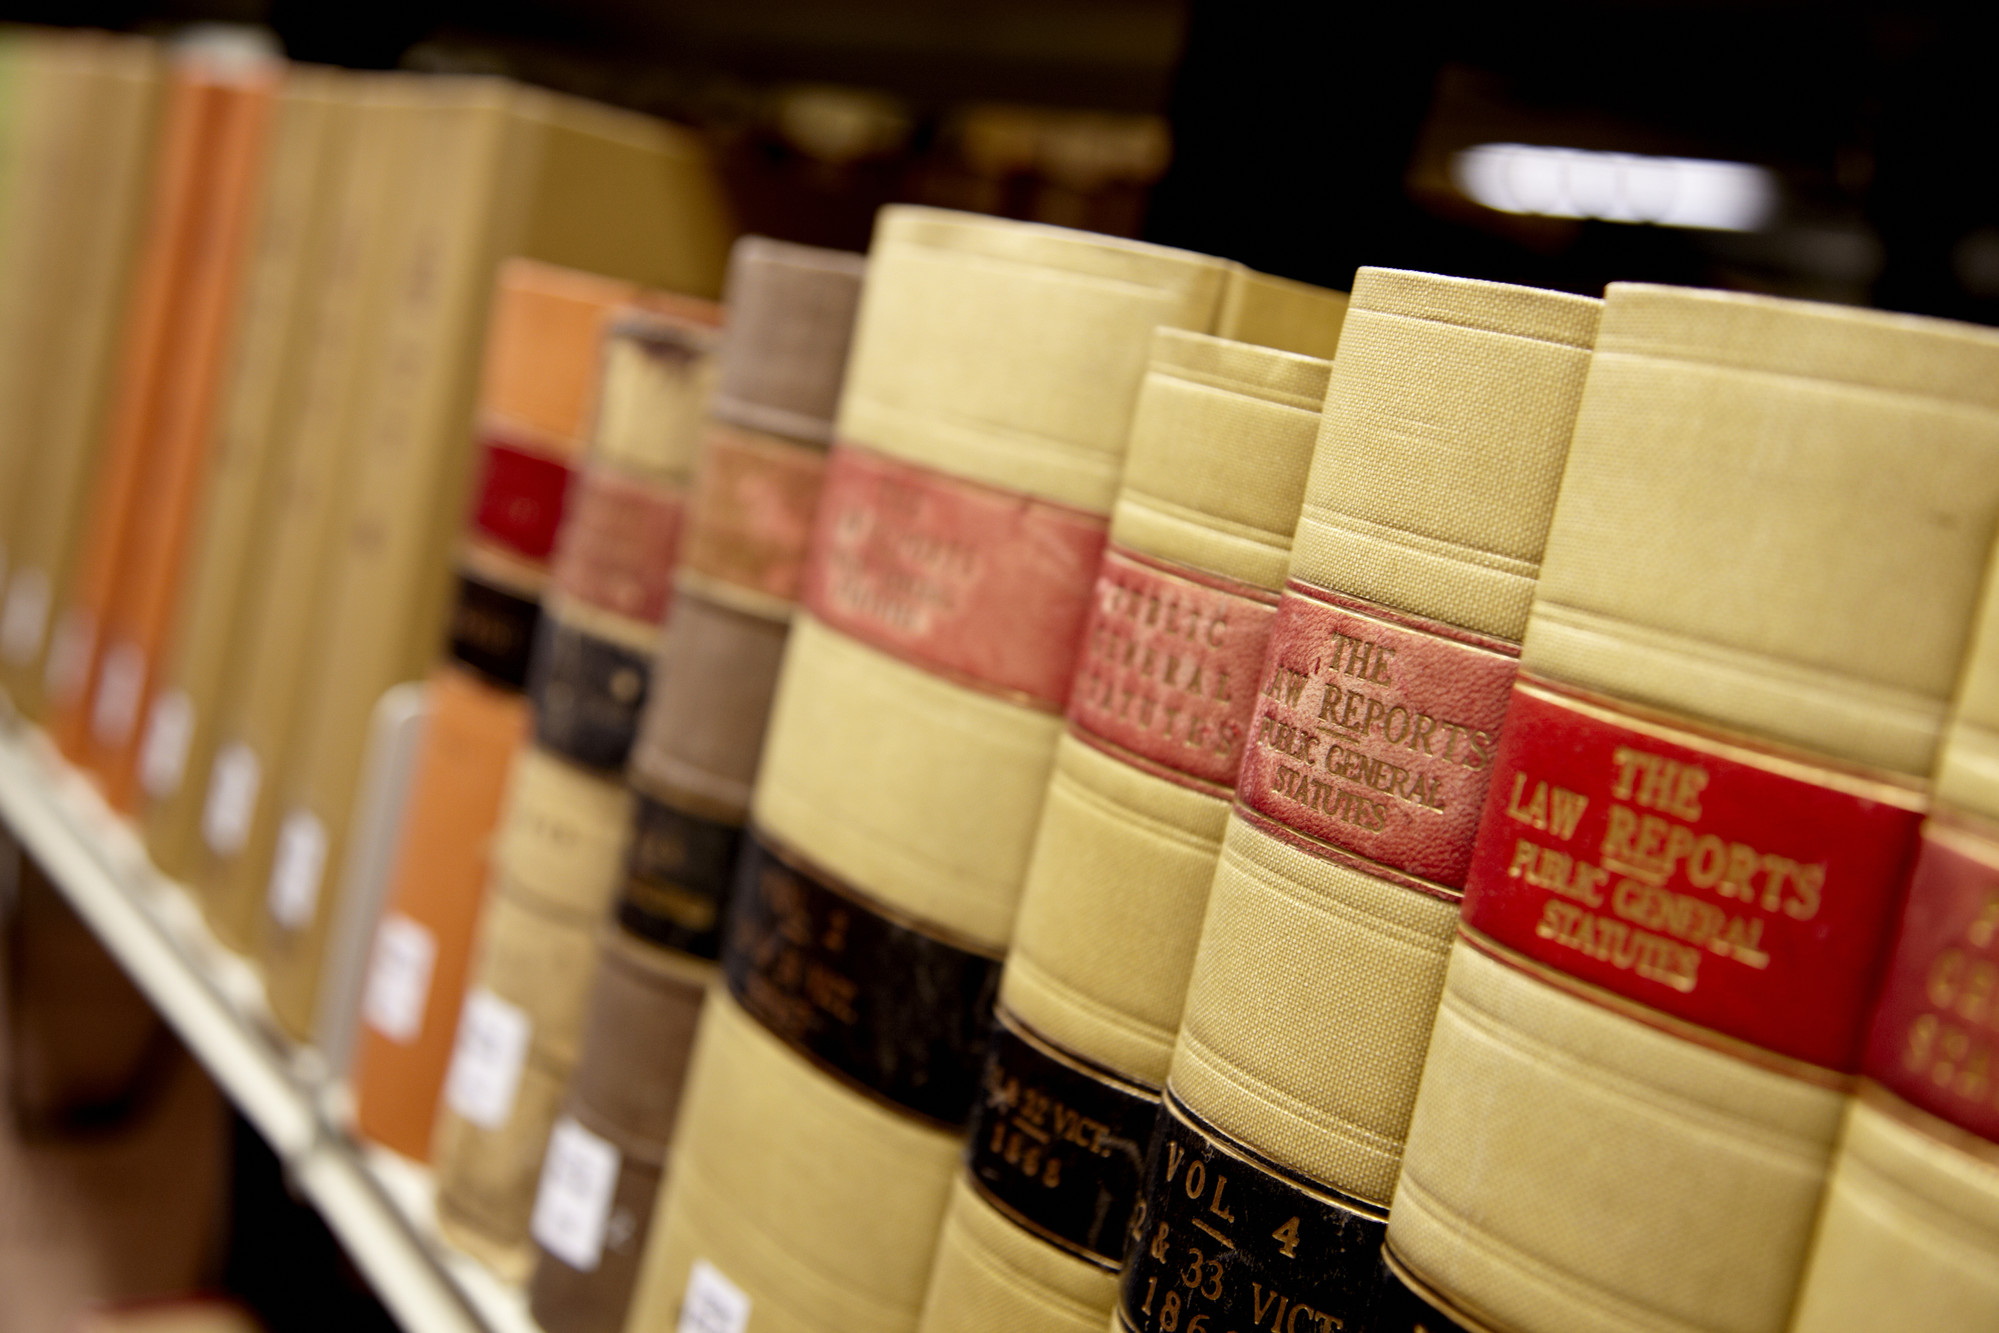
x: 1030, y: 780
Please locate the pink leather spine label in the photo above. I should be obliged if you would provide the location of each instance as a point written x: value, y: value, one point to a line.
x: 1936, y: 1027
x: 1374, y: 732
x: 520, y: 499
x: 1743, y: 891
x: 985, y: 586
x: 1169, y: 665
x: 750, y: 519
x: 618, y: 544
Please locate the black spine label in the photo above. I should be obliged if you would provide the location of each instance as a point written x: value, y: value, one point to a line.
x: 885, y: 1003
x: 677, y: 876
x: 587, y: 694
x: 1402, y: 1306
x: 1222, y: 1238
x: 493, y: 630
x: 1057, y: 1145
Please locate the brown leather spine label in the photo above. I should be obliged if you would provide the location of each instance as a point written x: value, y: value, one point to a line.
x: 987, y: 587
x: 1748, y: 893
x: 1169, y: 665
x: 1225, y: 1241
x: 1057, y: 1145
x: 886, y: 1004
x: 587, y: 692
x: 618, y: 544
x: 520, y: 499
x: 1374, y: 732
x: 493, y: 630
x: 750, y: 519
x: 1935, y: 1036
x: 678, y: 870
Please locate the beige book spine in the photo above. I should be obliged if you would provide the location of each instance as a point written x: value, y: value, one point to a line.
x: 231, y: 805
x: 244, y: 490
x: 123, y: 79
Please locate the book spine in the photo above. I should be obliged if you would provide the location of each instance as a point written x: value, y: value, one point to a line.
x: 245, y: 489
x: 1376, y: 707
x: 1159, y: 711
x: 146, y: 603
x: 1698, y: 827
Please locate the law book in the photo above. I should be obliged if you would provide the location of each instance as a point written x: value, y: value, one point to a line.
x: 546, y: 388
x: 1908, y: 1231
x: 981, y: 431
x: 790, y: 316
x: 309, y: 153
x: 515, y: 171
x: 613, y: 563
x: 100, y: 213
x: 756, y: 490
x: 1700, y: 816
x: 118, y: 615
x: 1334, y: 899
x: 612, y: 579
x: 557, y: 860
x: 1159, y: 710
x: 224, y: 809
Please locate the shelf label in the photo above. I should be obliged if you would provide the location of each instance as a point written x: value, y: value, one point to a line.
x: 399, y: 979
x: 26, y: 616
x: 296, y: 868
x: 121, y: 686
x: 232, y: 799
x: 577, y: 1180
x: 487, y: 1058
x: 713, y: 1304
x: 169, y: 730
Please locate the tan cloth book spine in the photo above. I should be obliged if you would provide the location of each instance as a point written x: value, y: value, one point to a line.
x: 229, y: 806
x: 1334, y: 898
x: 538, y: 398
x: 44, y: 116
x: 307, y: 155
x: 517, y: 172
x: 981, y: 432
x: 1908, y: 1233
x: 1159, y: 711
x: 184, y: 158
x: 557, y: 863
x: 102, y: 217
x: 1700, y: 814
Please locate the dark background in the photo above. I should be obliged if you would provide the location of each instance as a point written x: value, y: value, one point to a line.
x: 1306, y: 140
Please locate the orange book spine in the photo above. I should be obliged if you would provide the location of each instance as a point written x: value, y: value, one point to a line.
x: 193, y: 107
x: 147, y: 591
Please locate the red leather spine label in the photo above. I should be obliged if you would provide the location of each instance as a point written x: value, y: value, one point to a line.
x: 749, y: 522
x: 1169, y: 665
x: 1374, y: 731
x: 1737, y: 889
x: 618, y: 544
x: 520, y: 499
x: 987, y: 586
x: 1936, y: 1028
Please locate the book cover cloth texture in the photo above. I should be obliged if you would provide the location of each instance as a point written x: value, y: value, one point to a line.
x: 97, y: 227
x: 1440, y: 448
x: 1856, y: 452
x: 1221, y: 440
x: 242, y: 493
x: 644, y: 1007
x: 1909, y: 1228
